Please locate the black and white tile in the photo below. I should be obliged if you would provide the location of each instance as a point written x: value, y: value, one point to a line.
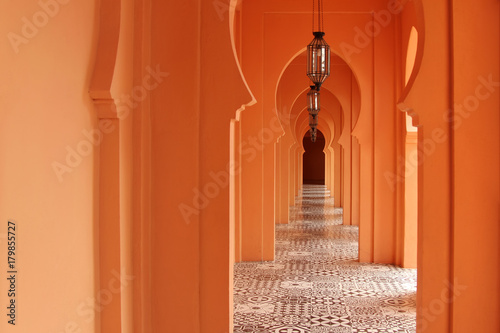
x: 316, y: 285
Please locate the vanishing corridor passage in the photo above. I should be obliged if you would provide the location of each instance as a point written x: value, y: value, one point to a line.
x: 316, y: 284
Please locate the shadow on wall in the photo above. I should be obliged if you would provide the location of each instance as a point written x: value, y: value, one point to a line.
x: 314, y: 159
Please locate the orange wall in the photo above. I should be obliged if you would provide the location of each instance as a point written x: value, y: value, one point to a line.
x: 191, y: 112
x: 251, y: 147
x: 410, y: 232
x: 123, y: 84
x: 355, y: 182
x: 476, y: 176
x: 175, y: 244
x: 45, y: 111
x: 458, y: 165
x: 385, y: 114
x: 434, y: 216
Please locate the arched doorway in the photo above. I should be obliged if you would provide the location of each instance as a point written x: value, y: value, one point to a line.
x: 313, y: 159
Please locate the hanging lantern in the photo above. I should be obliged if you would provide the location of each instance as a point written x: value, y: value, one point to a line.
x: 313, y: 120
x: 313, y: 100
x: 313, y: 123
x: 318, y: 59
x: 318, y: 69
x: 314, y: 133
x: 318, y: 51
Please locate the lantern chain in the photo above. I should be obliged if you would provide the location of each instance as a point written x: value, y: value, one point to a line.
x: 321, y: 19
x: 319, y: 15
x: 313, y: 16
x: 322, y: 28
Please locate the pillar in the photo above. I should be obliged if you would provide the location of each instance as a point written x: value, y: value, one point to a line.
x: 475, y: 148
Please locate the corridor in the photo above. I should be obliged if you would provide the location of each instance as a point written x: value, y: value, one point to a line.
x: 316, y: 284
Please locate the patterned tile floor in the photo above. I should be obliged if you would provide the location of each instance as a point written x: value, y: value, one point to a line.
x: 316, y: 284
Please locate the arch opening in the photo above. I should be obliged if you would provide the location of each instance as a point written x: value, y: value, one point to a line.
x: 293, y: 84
x: 313, y: 159
x: 410, y: 240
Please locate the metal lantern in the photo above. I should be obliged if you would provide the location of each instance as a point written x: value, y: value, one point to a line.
x: 318, y: 59
x: 318, y: 69
x: 313, y: 100
x: 313, y: 120
x: 314, y: 133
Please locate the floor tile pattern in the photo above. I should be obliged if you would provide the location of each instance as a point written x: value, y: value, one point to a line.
x: 316, y: 284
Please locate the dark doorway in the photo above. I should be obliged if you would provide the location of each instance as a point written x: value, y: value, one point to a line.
x: 314, y: 160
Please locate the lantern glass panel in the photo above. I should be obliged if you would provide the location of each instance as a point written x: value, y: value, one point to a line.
x: 313, y: 100
x: 313, y: 120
